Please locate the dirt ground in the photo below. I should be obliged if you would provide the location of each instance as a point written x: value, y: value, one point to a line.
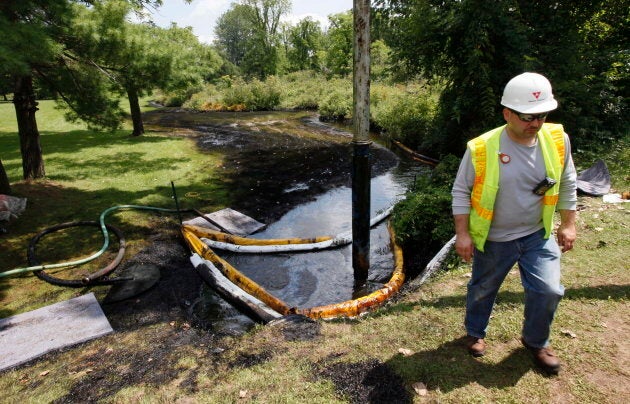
x: 258, y: 166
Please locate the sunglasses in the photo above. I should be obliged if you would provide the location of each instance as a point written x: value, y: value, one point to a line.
x: 531, y: 117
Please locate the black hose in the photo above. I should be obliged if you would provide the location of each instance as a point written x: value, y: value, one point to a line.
x: 92, y: 279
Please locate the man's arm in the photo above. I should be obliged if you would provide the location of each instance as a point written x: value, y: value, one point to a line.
x: 567, y: 201
x: 463, y: 241
x: 462, y: 188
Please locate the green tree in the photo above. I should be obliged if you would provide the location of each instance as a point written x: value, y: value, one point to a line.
x: 480, y: 48
x: 583, y: 49
x: 138, y: 58
x: 339, y: 38
x: 304, y: 45
x: 234, y: 32
x: 26, y: 29
x: 249, y: 33
x: 380, y: 60
x: 261, y: 58
x: 37, y: 40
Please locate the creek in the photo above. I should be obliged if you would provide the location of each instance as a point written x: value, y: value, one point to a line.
x: 317, y: 278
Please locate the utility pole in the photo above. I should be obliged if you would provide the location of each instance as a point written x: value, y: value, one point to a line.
x: 361, y: 174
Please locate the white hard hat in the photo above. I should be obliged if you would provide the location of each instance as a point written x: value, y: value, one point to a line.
x: 529, y: 93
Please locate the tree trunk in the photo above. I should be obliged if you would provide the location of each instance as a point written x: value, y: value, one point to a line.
x: 30, y: 147
x: 136, y: 116
x: 5, y: 187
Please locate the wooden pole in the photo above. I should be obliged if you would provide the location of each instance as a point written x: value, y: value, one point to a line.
x: 361, y: 141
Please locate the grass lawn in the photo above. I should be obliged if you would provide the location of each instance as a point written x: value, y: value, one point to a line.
x: 413, y: 339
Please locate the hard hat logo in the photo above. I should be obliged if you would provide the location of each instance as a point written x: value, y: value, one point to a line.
x: 529, y: 93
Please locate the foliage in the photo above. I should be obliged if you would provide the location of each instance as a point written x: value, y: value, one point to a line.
x: 252, y: 96
x: 304, y: 45
x: 178, y: 97
x: 137, y: 58
x: 423, y: 220
x: 405, y: 113
x: 200, y: 100
x: 340, y: 44
x: 232, y: 31
x: 252, y: 38
x: 249, y: 34
x: 588, y: 64
x: 336, y: 104
x: 85, y: 54
x: 380, y: 55
x: 580, y: 49
x: 303, y: 89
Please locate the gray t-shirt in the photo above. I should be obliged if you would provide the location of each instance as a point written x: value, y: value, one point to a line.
x: 517, y: 210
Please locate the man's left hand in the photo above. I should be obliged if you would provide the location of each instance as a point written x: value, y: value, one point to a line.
x: 566, y: 236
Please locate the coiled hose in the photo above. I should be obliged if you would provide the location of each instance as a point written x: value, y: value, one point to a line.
x: 95, y: 278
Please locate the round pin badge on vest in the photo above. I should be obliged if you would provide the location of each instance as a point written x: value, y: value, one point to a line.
x: 504, y: 158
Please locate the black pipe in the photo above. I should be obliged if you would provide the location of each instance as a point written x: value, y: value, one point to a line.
x: 97, y: 278
x: 212, y: 222
x: 361, y: 211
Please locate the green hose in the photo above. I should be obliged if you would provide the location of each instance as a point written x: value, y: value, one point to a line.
x: 95, y: 255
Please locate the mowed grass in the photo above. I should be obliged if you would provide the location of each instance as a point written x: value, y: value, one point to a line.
x: 415, y: 335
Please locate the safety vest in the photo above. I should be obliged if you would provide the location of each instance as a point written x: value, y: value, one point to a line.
x: 484, y: 191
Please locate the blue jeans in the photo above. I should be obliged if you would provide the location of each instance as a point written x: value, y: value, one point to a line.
x: 539, y: 265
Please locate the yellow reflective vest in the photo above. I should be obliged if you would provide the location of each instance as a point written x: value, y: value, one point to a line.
x: 486, y: 185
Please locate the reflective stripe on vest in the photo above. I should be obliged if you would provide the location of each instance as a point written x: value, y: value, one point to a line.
x: 486, y: 185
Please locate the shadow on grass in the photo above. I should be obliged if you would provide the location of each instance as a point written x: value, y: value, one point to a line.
x: 116, y: 165
x: 72, y: 143
x: 449, y: 367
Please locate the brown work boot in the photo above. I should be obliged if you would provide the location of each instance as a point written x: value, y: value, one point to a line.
x: 544, y: 358
x: 476, y: 346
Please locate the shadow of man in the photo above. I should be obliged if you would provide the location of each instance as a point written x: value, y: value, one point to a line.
x: 449, y: 367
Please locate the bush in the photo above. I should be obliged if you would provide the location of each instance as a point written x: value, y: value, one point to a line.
x: 423, y: 221
x: 176, y: 98
x: 404, y: 114
x: 202, y: 100
x: 336, y: 104
x: 254, y: 96
x: 302, y: 90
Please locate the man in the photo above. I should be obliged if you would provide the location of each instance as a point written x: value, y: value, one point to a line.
x: 509, y: 184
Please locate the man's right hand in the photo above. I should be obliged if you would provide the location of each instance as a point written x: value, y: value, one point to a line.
x: 463, y: 242
x: 464, y: 246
